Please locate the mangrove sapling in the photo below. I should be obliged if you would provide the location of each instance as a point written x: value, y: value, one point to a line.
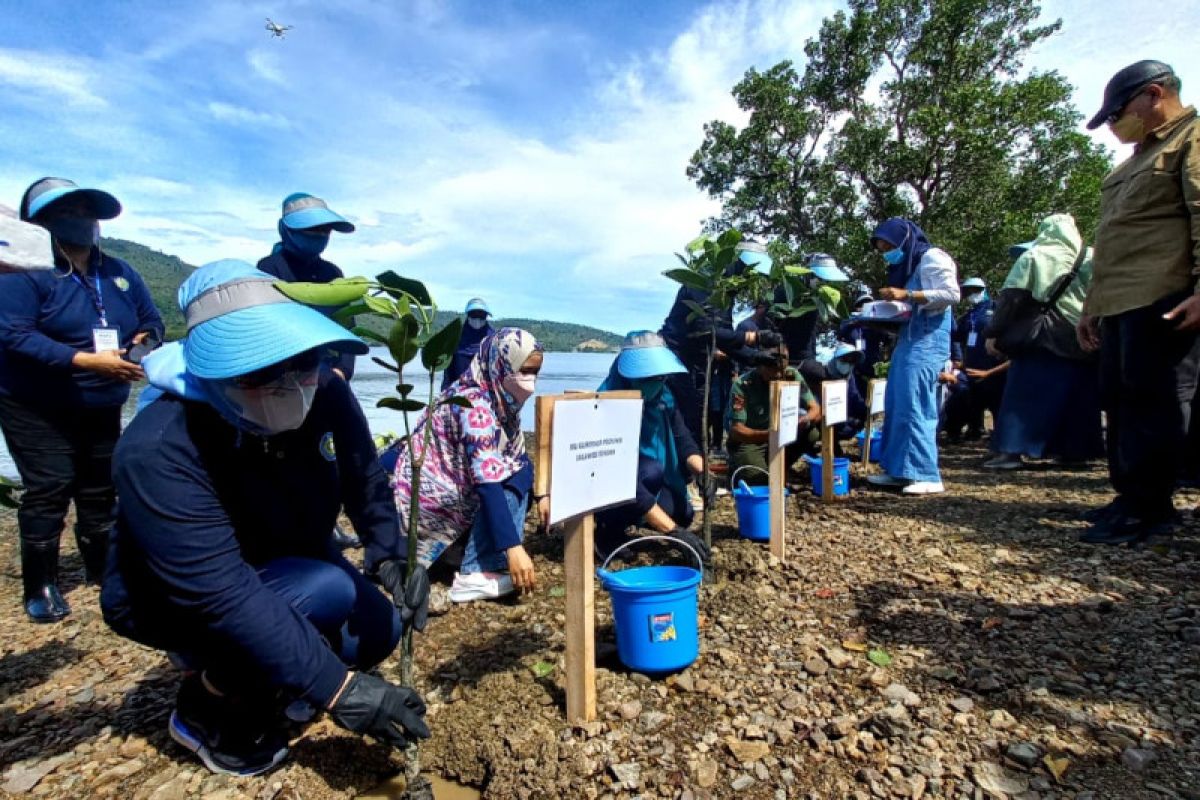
x: 399, y: 313
x: 707, y: 268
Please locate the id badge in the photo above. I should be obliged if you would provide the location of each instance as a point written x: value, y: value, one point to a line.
x: 860, y: 343
x: 106, y: 339
x: 972, y: 338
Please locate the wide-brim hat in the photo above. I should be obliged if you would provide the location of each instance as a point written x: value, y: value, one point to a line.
x: 644, y: 354
x: 477, y: 304
x: 301, y: 211
x: 48, y: 191
x: 754, y: 255
x: 826, y: 268
x: 239, y: 322
x: 974, y: 283
x: 1125, y: 84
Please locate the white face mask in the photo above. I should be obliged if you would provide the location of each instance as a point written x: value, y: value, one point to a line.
x: 278, y: 406
x: 520, y: 386
x: 975, y: 299
x: 478, y: 323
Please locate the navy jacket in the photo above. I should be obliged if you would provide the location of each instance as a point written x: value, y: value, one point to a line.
x: 46, y: 317
x: 202, y: 505
x: 290, y: 267
x: 678, y: 332
x: 976, y: 320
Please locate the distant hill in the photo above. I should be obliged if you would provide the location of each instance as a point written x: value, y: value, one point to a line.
x: 164, y: 273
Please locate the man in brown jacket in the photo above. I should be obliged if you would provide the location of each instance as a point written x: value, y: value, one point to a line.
x: 1142, y: 312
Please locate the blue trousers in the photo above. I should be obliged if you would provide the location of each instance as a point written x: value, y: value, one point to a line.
x: 652, y: 490
x: 480, y: 553
x: 358, y: 620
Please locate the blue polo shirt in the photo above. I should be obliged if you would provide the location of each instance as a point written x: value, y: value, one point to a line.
x: 46, y: 317
x: 202, y: 505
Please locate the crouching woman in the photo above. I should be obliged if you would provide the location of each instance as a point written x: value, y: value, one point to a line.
x: 476, y: 478
x: 230, y: 483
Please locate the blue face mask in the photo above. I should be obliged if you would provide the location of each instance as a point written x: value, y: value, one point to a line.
x: 78, y: 231
x: 894, y: 256
x: 650, y: 388
x: 303, y: 243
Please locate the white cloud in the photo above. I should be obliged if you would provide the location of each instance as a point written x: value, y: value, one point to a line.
x: 239, y: 115
x: 265, y: 65
x: 61, y: 77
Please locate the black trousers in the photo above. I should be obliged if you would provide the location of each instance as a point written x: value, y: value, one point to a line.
x: 1148, y: 374
x: 651, y: 491
x: 62, y: 455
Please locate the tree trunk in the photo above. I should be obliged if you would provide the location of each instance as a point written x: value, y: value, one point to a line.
x: 708, y: 367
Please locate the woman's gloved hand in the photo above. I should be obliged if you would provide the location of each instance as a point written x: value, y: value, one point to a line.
x: 693, y: 541
x: 392, y: 714
x: 411, y: 596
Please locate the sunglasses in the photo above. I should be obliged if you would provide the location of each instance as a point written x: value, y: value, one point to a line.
x: 307, y: 361
x: 1116, y: 115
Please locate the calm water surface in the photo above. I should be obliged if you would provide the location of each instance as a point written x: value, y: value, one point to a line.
x: 561, y: 371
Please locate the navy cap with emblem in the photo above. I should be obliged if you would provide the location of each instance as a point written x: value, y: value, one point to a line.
x: 1125, y: 84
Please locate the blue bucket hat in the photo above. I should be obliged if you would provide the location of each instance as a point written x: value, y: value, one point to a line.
x: 42, y: 194
x: 301, y: 210
x: 974, y: 283
x: 826, y: 268
x: 754, y: 255
x: 477, y: 304
x: 238, y: 322
x: 644, y: 354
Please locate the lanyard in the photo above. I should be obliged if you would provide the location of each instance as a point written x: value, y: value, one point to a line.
x: 97, y: 298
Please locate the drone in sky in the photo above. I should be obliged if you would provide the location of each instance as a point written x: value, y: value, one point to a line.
x: 276, y: 29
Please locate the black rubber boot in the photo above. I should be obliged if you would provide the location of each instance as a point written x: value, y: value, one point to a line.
x: 93, y: 549
x: 39, y: 574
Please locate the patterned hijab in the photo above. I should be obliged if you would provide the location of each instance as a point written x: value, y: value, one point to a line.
x: 501, y: 354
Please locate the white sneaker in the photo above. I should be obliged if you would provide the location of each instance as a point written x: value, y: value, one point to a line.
x: 924, y: 487
x: 883, y: 479
x: 480, y: 586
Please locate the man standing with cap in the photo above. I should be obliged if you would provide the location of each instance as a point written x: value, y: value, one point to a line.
x: 1142, y: 311
x: 304, y: 230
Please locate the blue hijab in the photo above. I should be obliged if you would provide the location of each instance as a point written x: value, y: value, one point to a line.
x: 909, y: 237
x: 657, y: 439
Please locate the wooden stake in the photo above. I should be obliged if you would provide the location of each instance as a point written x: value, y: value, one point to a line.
x: 776, y: 467
x: 827, y: 463
x: 543, y: 423
x: 579, y: 569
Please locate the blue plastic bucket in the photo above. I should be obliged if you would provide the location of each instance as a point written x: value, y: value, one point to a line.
x: 841, y: 475
x: 876, y: 443
x: 655, y: 613
x: 753, y: 504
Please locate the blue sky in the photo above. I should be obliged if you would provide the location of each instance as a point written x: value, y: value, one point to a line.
x: 530, y: 152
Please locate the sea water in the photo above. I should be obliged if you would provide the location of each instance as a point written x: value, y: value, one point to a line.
x: 560, y: 371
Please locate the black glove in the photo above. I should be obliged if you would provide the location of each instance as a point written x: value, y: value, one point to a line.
x: 693, y: 541
x: 392, y: 714
x: 410, y: 596
x: 768, y: 339
x: 708, y: 487
x: 765, y: 358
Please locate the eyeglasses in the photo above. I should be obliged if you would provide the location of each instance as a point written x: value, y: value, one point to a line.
x: 305, y: 362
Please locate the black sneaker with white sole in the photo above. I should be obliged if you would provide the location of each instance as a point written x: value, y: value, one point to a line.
x: 230, y: 736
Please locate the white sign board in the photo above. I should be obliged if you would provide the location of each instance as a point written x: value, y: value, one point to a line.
x: 789, y: 414
x: 833, y: 395
x: 594, y: 457
x: 878, y: 387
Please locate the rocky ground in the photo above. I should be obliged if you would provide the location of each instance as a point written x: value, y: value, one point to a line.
x: 958, y: 646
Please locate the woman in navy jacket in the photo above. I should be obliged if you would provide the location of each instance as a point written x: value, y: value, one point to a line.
x: 65, y: 341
